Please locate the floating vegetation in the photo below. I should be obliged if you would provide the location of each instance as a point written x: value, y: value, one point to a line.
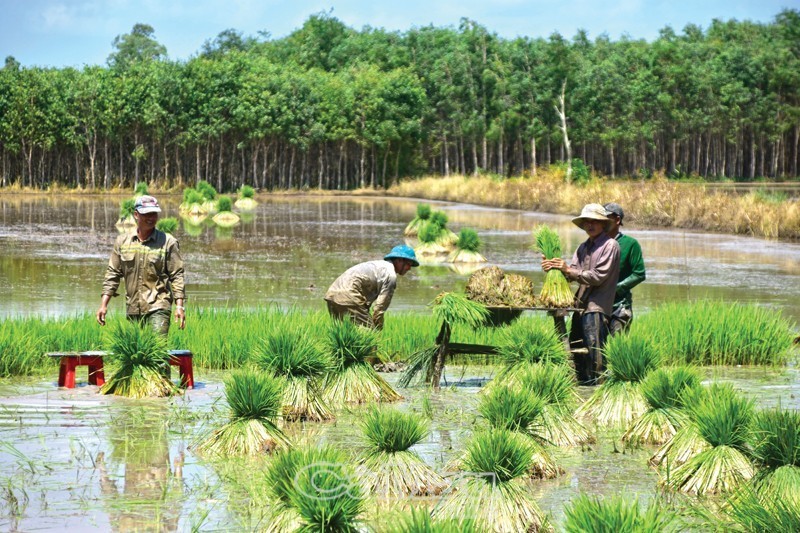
x: 167, y: 225
x: 290, y: 354
x: 616, y: 514
x: 246, y: 200
x: 467, y: 248
x: 555, y: 289
x: 718, y: 333
x: 723, y: 420
x: 494, y: 494
x: 352, y: 379
x: 663, y: 390
x: 619, y: 400
x: 255, y: 400
x: 139, y: 361
x: 388, y: 467
x: 423, y: 215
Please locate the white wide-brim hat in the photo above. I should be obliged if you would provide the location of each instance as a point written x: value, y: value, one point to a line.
x: 592, y: 212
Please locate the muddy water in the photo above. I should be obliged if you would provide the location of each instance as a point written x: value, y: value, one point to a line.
x: 73, y: 459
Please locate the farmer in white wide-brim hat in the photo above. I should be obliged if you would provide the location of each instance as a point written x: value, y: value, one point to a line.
x: 595, y: 266
x: 369, y: 285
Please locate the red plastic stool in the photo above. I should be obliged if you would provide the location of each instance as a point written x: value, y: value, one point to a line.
x: 183, y: 360
x: 71, y: 360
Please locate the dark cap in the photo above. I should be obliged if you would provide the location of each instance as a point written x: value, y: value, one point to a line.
x: 615, y: 209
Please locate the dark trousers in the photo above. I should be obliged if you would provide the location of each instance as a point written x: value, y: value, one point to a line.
x: 589, y: 330
x: 621, y: 320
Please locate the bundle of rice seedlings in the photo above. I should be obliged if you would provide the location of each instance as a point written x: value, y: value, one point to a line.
x: 255, y: 400
x: 167, y: 225
x: 193, y: 203
x: 139, y: 362
x: 352, y: 379
x: 723, y: 419
x: 522, y: 412
x: 555, y: 385
x: 126, y: 208
x: 446, y: 238
x: 140, y: 189
x: 493, y: 493
x: 281, y: 478
x: 536, y: 342
x: 325, y: 494
x: 555, y: 289
x: 419, y: 520
x: 750, y: 509
x: 663, y: 390
x: 429, y: 247
x: 423, y: 215
x: 616, y: 514
x: 619, y: 400
x: 467, y: 248
x: 485, y: 286
x: 518, y: 291
x: 288, y: 353
x: 776, y: 447
x: 225, y: 218
x: 246, y: 200
x: 388, y: 468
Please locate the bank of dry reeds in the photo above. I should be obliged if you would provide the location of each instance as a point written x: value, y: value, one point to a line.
x: 656, y: 202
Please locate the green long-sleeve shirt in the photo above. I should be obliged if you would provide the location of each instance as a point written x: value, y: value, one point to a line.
x: 631, y: 270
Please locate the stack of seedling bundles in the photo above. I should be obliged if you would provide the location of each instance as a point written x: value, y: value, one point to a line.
x: 255, y: 400
x: 493, y: 492
x: 225, y: 218
x: 494, y: 288
x: 555, y: 289
x: 449, y: 308
x: 616, y: 514
x: 619, y: 400
x: 352, y: 380
x: 467, y: 248
x: 291, y: 354
x: 423, y: 215
x: 429, y: 246
x: 139, y: 362
x: 389, y: 469
x: 246, y: 201
x: 314, y: 489
x: 663, y: 389
x: 722, y: 420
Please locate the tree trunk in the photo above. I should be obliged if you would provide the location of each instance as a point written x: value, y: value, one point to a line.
x: 533, y: 155
x: 562, y: 114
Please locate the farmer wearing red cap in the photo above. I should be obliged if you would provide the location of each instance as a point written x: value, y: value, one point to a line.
x: 369, y: 285
x: 150, y: 262
x: 595, y: 266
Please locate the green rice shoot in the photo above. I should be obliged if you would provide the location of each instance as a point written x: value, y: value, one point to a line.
x: 616, y: 514
x: 467, y: 248
x: 423, y: 215
x: 139, y: 362
x: 167, y: 225
x: 555, y: 289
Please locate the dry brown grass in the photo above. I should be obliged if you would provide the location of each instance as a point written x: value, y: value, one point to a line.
x: 654, y: 203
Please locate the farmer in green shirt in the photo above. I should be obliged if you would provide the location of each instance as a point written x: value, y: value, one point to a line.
x: 631, y: 271
x: 150, y: 262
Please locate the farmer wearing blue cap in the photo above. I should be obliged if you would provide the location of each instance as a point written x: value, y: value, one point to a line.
x: 369, y: 285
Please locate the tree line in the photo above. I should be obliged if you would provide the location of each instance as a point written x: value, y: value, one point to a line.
x: 337, y: 108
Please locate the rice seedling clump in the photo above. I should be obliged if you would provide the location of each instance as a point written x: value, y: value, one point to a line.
x: 494, y: 496
x: 429, y: 245
x: 619, y: 400
x: 418, y: 520
x: 246, y: 200
x: 139, y: 362
x: 663, y: 389
x: 616, y: 514
x: 529, y: 343
x: 290, y: 354
x: 167, y: 225
x: 467, y: 248
x: 555, y: 289
x: 423, y: 215
x: 352, y: 379
x: 389, y: 468
x: 445, y: 238
x: 723, y: 419
x: 255, y: 399
x: 776, y: 448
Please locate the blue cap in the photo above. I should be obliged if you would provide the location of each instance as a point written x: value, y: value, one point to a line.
x: 403, y: 251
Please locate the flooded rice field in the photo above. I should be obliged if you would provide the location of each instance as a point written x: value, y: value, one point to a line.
x: 72, y: 459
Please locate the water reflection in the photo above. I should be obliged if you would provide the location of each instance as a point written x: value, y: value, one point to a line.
x: 141, y: 487
x: 54, y: 251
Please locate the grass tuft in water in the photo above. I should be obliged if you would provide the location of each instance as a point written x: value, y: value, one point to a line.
x: 139, y: 362
x: 616, y: 514
x: 418, y: 520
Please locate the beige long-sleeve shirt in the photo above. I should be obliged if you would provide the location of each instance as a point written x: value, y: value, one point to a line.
x: 595, y: 266
x: 366, y: 285
x: 152, y: 269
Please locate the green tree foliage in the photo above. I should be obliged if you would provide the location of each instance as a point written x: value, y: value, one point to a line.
x: 332, y: 107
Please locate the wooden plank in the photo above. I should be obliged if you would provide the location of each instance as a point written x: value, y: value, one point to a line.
x: 460, y: 347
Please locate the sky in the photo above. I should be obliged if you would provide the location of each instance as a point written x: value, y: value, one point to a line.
x: 61, y: 33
